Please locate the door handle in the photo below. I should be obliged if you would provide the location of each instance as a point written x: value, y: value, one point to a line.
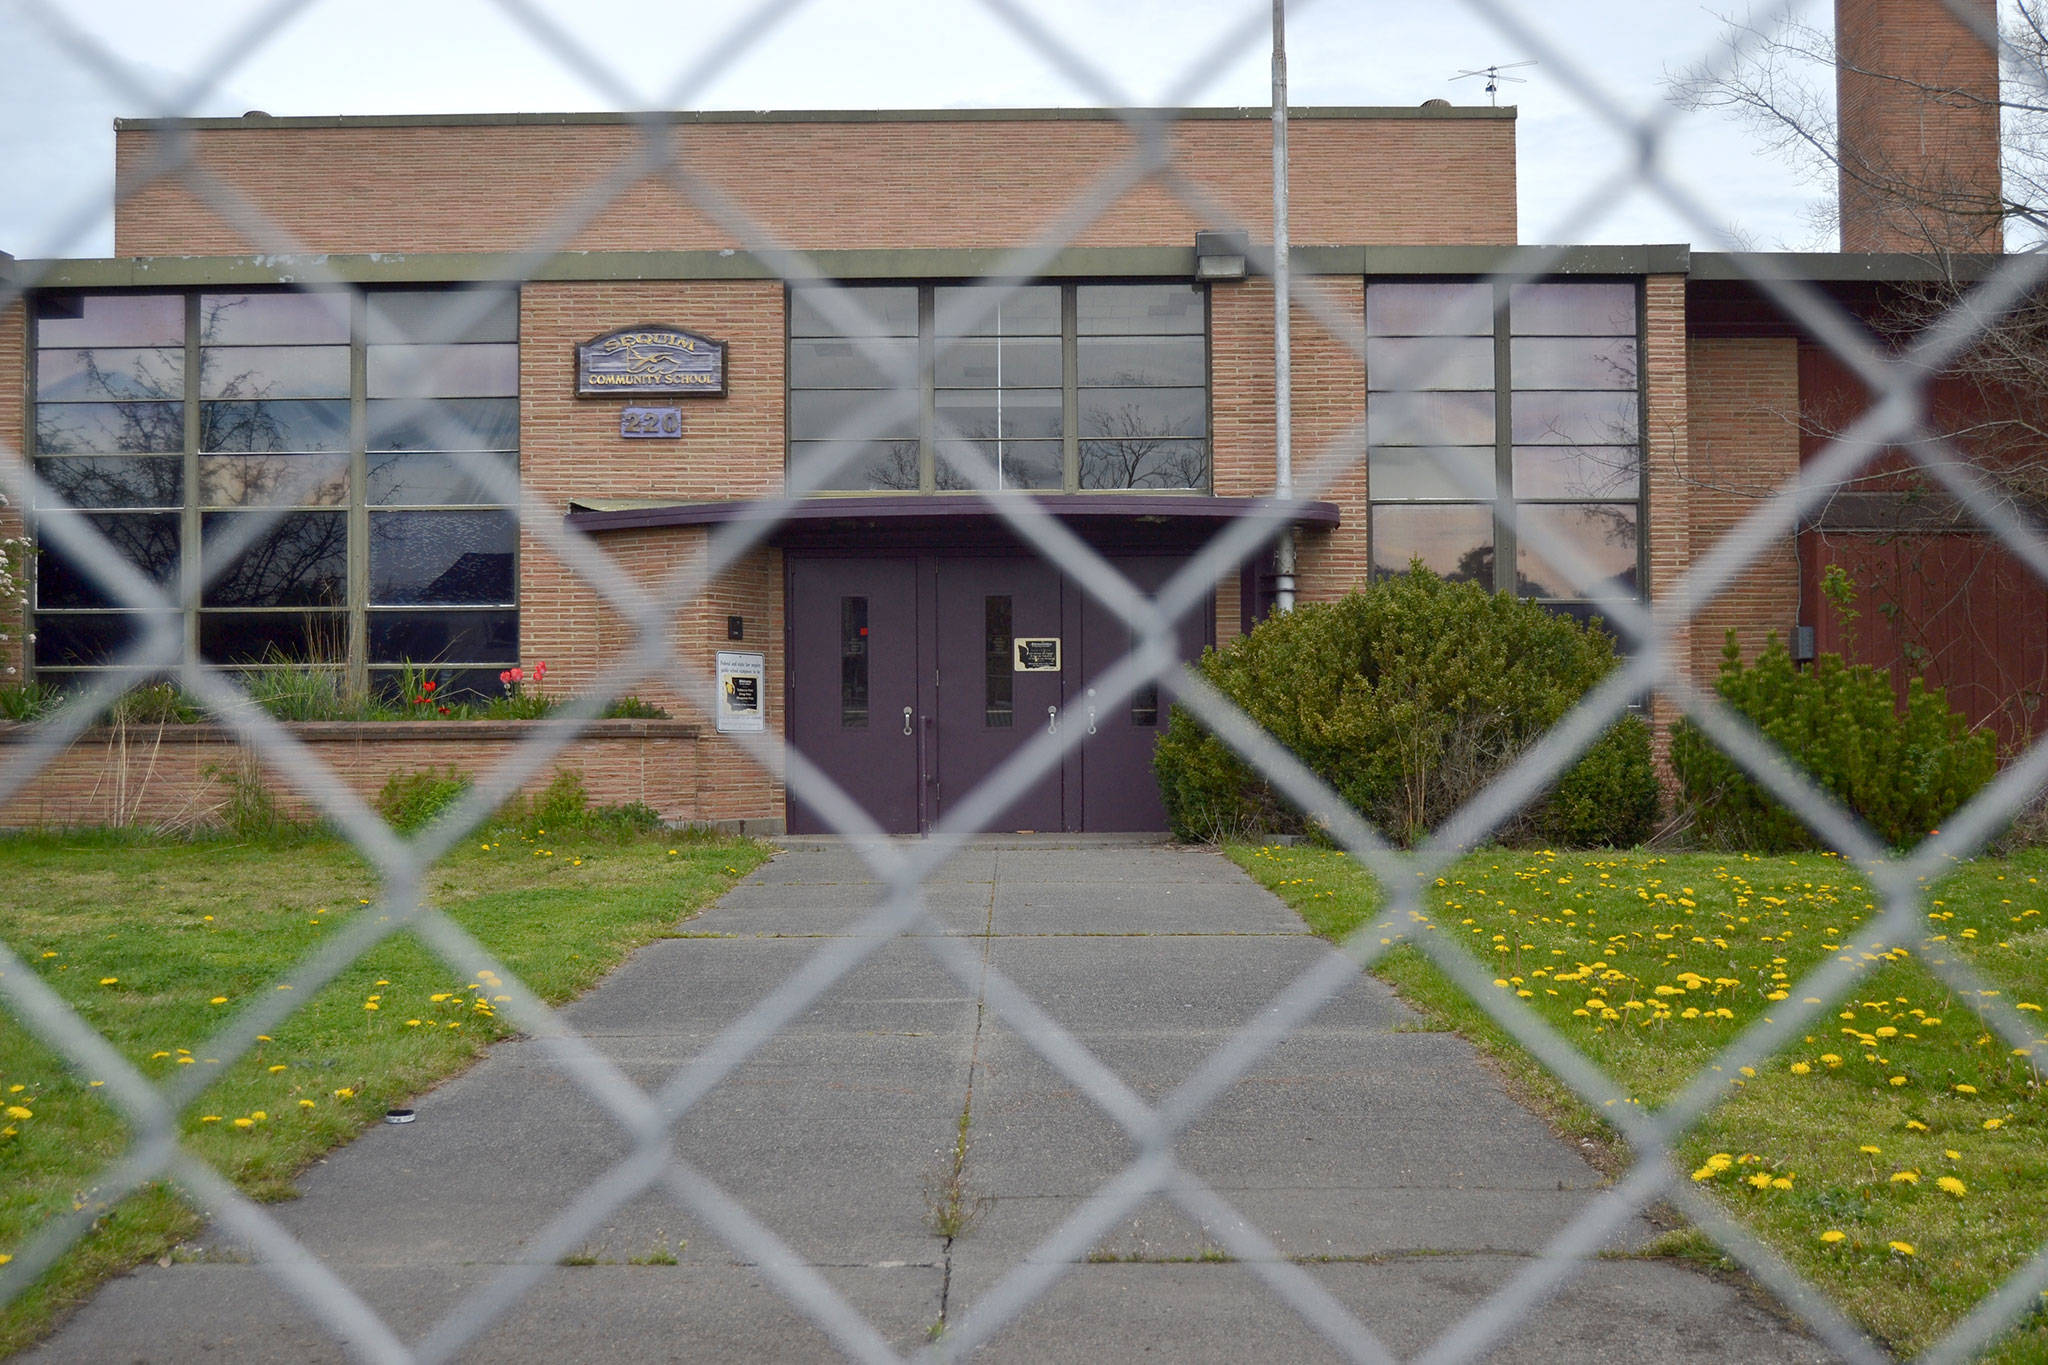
x: 1052, y: 720
x: 1091, y: 710
x: 906, y: 720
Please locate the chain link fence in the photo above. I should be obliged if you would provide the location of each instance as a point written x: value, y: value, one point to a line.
x: 1897, y: 417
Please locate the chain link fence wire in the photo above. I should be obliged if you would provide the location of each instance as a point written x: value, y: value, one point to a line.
x: 1654, y: 633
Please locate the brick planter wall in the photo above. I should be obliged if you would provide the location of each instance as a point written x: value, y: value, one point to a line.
x: 183, y: 775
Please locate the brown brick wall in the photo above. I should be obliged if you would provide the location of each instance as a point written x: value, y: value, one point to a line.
x: 865, y: 183
x: 1329, y: 398
x: 1745, y: 445
x: 731, y: 447
x: 13, y: 440
x: 1917, y: 106
x: 180, y: 776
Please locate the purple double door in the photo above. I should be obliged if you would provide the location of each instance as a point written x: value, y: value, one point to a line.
x: 911, y: 680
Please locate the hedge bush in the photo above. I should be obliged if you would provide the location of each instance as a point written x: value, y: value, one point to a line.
x: 1407, y: 698
x: 1902, y: 772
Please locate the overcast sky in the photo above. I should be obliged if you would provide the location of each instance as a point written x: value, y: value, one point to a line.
x: 471, y: 56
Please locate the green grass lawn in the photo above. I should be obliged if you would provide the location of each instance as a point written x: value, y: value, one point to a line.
x: 157, y: 944
x: 1898, y: 1155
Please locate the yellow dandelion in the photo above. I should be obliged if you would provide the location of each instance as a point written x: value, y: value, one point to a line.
x: 279, y: 1067
x: 1833, y: 1235
x: 1905, y: 1177
x: 1916, y: 1125
x: 1761, y: 1180
x: 1783, y: 1182
x: 1952, y: 1154
x: 1898, y: 1080
x: 259, y: 1116
x: 1830, y: 1059
x: 1903, y: 1248
x: 218, y: 1000
x: 1948, y: 1184
x: 1994, y: 1123
x: 344, y: 1094
x: 245, y: 1123
x: 1966, y: 1090
x: 209, y: 1118
x: 305, y: 1104
x: 1800, y: 1068
x: 110, y: 981
x: 15, y: 1111
x: 5, y: 1257
x: 1874, y: 1151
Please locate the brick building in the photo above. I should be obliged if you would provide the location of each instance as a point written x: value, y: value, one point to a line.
x: 649, y: 379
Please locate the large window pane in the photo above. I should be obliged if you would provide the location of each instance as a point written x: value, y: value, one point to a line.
x: 443, y: 636
x: 110, y: 320
x: 300, y: 561
x: 1143, y: 463
x: 1574, y: 419
x: 1144, y: 414
x: 868, y: 363
x: 1430, y: 473
x: 1399, y: 310
x: 1429, y: 419
x: 1603, y: 534
x: 997, y: 311
x: 289, y: 425
x: 852, y: 414
x: 862, y: 312
x: 1453, y: 542
x: 444, y: 424
x: 273, y: 637
x: 428, y: 480
x: 854, y: 466
x: 116, y: 481
x: 273, y: 372
x: 1577, y: 471
x: 1574, y: 362
x: 1014, y: 464
x: 443, y: 371
x: 84, y: 640
x: 430, y: 315
x: 110, y: 373
x: 1142, y: 362
x: 1573, y: 308
x: 1402, y: 363
x: 273, y: 480
x: 1017, y: 362
x: 441, y: 557
x: 1139, y: 309
x: 109, y: 428
x: 983, y: 413
x: 288, y: 319
x: 148, y: 542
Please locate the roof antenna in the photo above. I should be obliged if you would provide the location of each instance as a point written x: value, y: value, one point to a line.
x: 1494, y: 78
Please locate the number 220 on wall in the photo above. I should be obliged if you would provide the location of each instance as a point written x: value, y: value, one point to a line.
x: 650, y: 422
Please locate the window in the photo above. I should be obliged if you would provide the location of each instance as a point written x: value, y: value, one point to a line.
x: 1462, y: 465
x: 1052, y: 387
x: 337, y: 466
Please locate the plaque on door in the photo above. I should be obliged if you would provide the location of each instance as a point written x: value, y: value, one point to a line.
x: 1037, y: 656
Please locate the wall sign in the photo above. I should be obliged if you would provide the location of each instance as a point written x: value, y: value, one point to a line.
x: 740, y: 692
x: 1038, y: 656
x: 651, y: 358
x: 650, y: 423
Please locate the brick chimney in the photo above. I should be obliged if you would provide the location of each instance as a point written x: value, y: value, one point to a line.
x: 1916, y: 106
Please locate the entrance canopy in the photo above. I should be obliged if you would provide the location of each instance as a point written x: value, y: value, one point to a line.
x: 1130, y: 521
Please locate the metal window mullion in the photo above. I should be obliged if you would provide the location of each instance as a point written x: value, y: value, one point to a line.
x: 1504, y: 540
x: 189, y: 561
x: 927, y: 397
x: 357, y: 663
x: 1070, y: 389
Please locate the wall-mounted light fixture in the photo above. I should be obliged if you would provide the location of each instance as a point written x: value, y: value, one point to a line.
x: 1220, y: 255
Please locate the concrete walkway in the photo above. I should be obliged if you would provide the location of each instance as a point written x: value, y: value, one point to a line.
x: 1387, y: 1159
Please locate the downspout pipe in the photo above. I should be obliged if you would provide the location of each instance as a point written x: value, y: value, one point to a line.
x: 1283, y: 351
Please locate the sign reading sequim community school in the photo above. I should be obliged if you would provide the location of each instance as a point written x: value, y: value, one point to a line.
x: 651, y: 358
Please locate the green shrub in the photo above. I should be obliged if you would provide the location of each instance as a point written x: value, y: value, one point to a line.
x: 28, y: 701
x: 632, y: 708
x: 563, y: 807
x: 1408, y: 698
x: 1902, y: 772
x: 411, y: 801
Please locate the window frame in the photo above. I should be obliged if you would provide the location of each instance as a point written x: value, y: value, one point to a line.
x: 1506, y: 499
x: 353, y: 615
x: 1071, y: 437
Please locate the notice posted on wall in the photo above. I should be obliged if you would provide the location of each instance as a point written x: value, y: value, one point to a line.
x: 1038, y: 656
x: 741, y: 685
